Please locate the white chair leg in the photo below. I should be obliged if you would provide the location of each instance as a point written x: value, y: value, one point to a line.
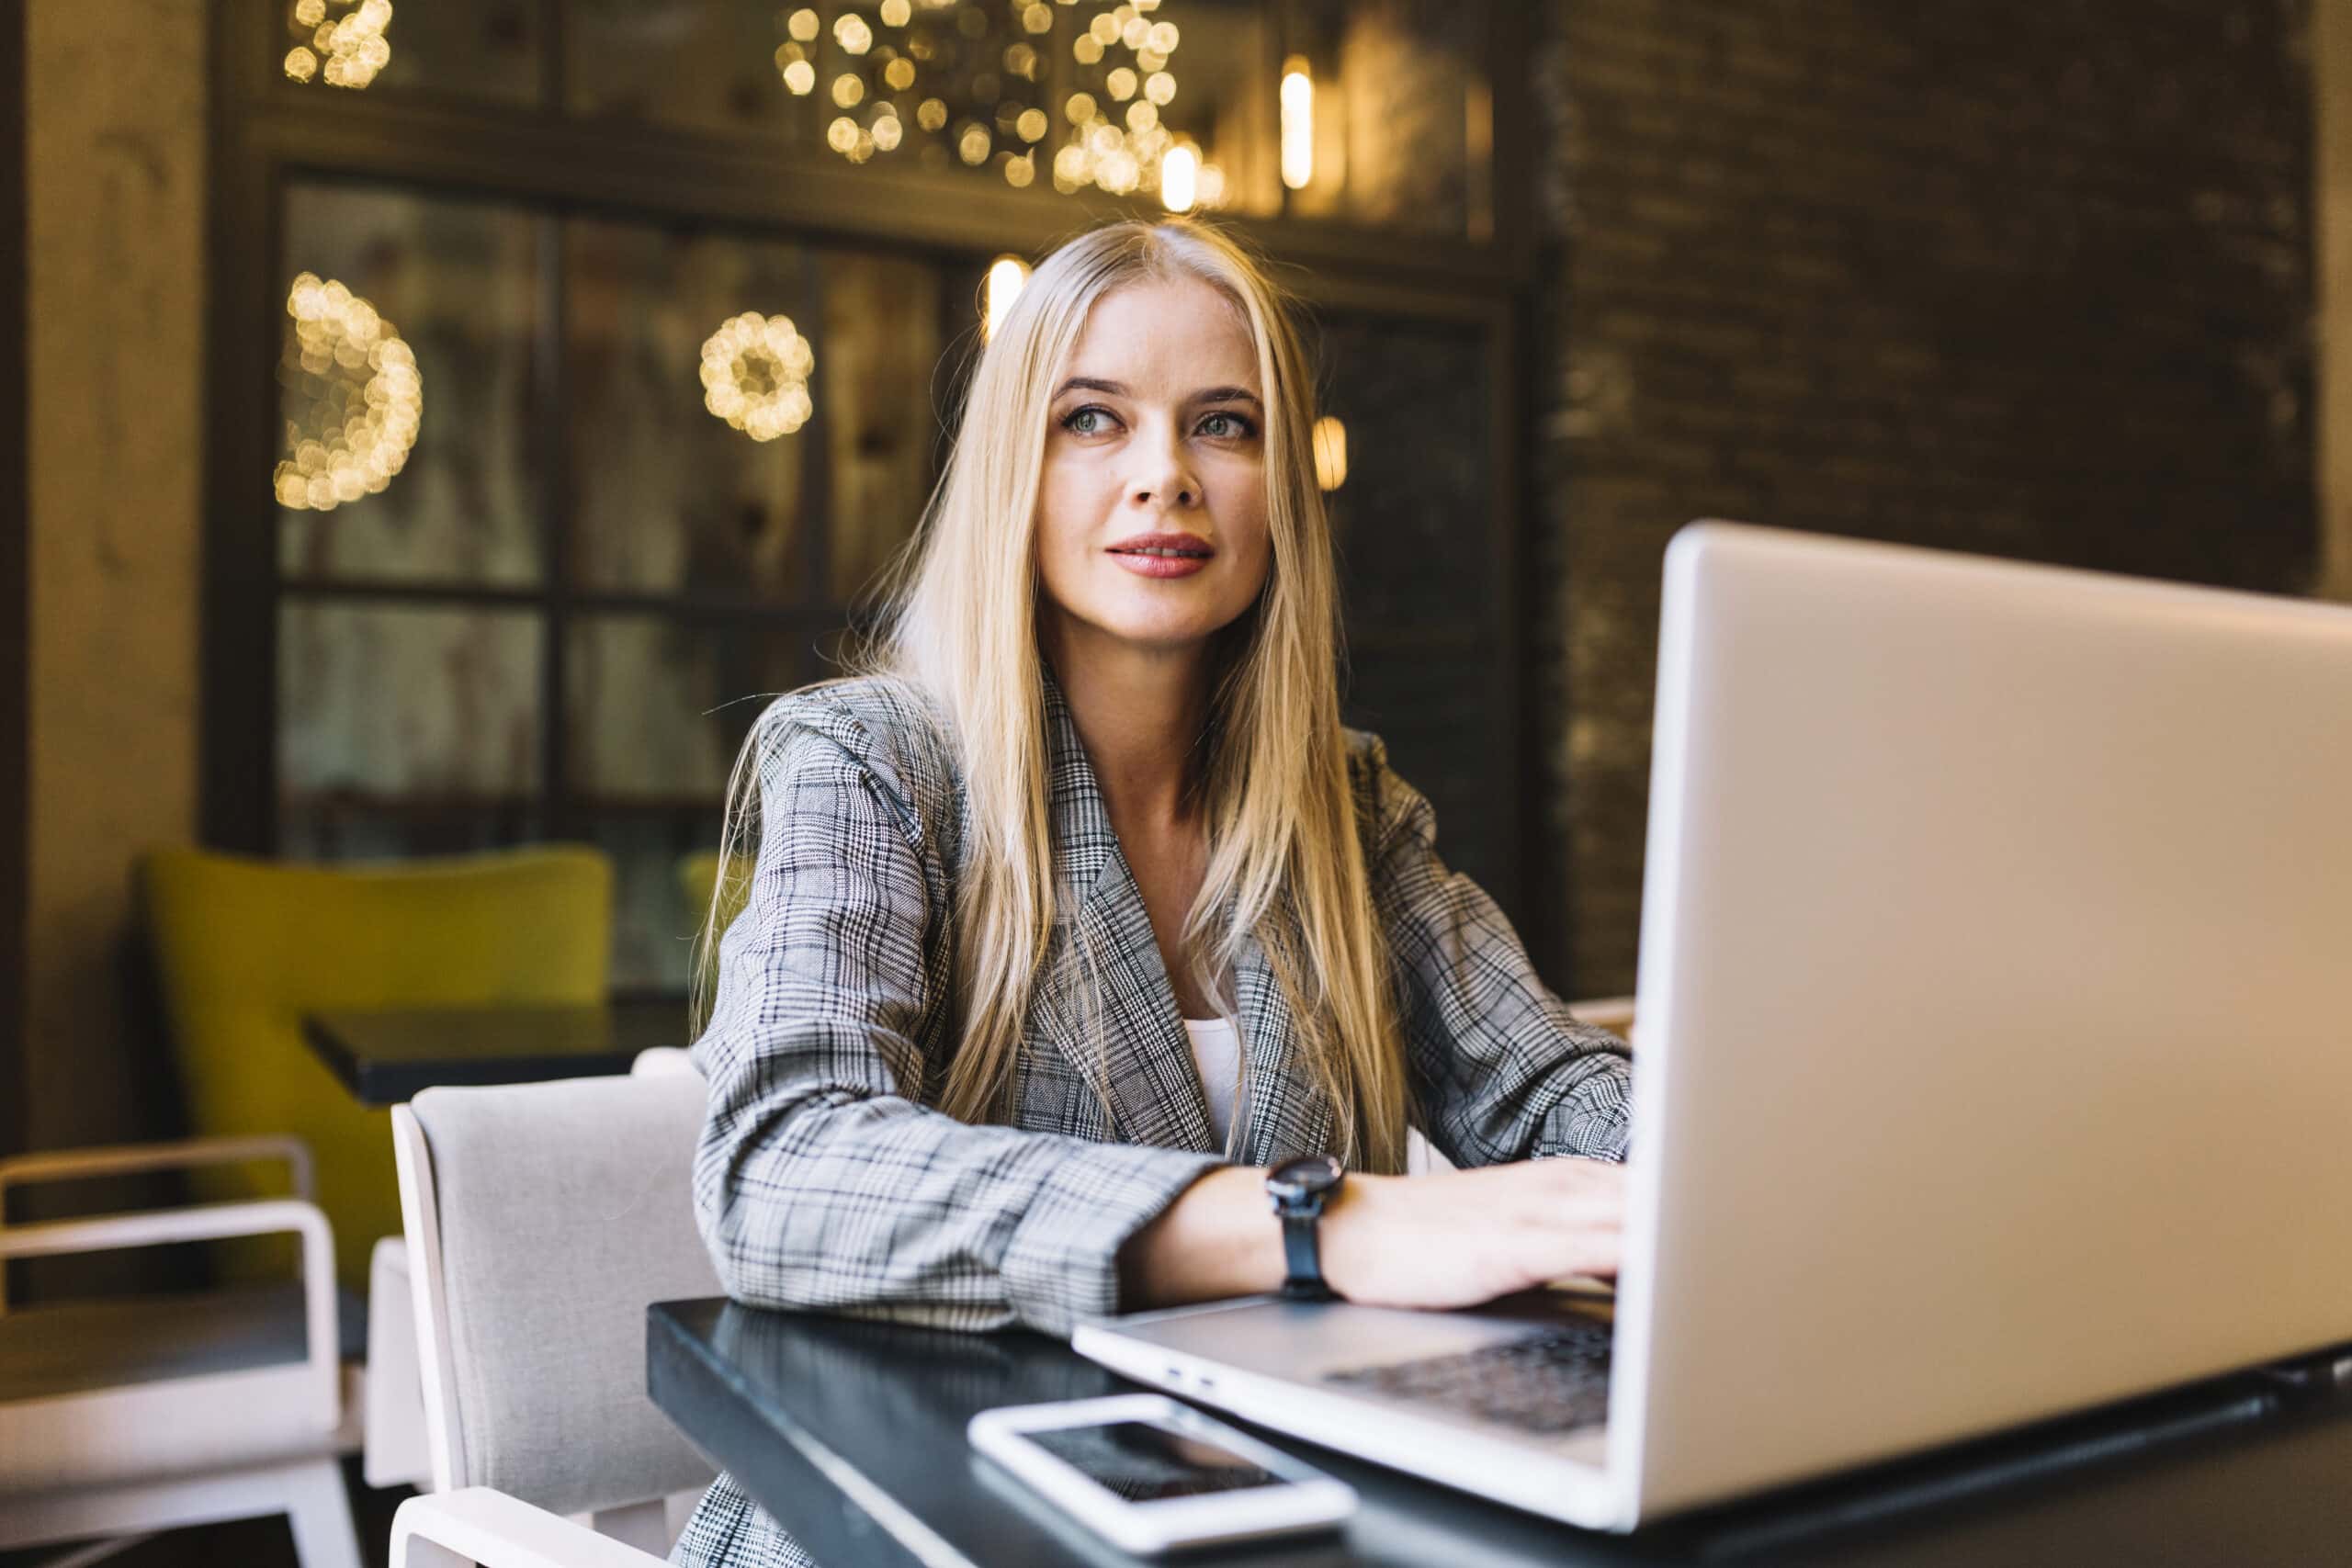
x: 319, y: 1509
x: 396, y: 1451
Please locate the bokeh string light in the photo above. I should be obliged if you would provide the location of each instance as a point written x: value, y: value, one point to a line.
x: 345, y: 52
x: 361, y: 398
x: 972, y: 77
x: 755, y: 375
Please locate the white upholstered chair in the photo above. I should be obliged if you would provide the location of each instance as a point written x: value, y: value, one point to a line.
x: 542, y: 1220
x: 126, y: 1416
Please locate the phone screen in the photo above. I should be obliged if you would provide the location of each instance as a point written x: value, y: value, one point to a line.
x: 1142, y: 1462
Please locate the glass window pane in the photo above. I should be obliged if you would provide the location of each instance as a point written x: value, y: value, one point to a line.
x: 1415, y: 529
x: 1414, y: 515
x: 455, y: 281
x: 1013, y: 95
x: 668, y: 497
x: 1219, y: 99
x: 653, y: 924
x: 879, y: 350
x: 1403, y: 120
x: 699, y: 64
x: 483, y: 48
x: 329, y: 828
x: 655, y: 709
x: 390, y: 701
x: 1419, y: 119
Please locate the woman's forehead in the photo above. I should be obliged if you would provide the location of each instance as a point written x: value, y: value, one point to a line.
x: 1166, y: 335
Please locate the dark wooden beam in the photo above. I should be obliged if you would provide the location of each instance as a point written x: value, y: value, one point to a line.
x: 15, y: 591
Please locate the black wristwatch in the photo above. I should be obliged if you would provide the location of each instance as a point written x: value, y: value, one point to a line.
x: 1300, y: 1188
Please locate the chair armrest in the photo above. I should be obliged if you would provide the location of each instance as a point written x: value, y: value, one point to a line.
x: 479, y: 1524
x: 213, y: 1222
x: 67, y: 1165
x: 123, y: 1159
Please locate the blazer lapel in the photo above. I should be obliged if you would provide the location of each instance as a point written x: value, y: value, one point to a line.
x: 1147, y: 1060
x: 1288, y: 1117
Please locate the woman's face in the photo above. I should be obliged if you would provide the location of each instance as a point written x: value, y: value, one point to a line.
x: 1157, y: 427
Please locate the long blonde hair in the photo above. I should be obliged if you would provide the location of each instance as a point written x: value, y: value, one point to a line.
x: 959, y: 628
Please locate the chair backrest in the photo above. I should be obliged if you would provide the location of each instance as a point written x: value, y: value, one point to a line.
x: 245, y: 947
x: 542, y: 1220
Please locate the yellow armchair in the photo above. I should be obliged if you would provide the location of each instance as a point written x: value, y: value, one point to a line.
x: 245, y: 947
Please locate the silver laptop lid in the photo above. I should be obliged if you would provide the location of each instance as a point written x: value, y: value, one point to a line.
x: 1995, y: 1002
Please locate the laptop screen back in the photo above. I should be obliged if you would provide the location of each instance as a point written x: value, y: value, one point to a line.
x: 1995, y: 1002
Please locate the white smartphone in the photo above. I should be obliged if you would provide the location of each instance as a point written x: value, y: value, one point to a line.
x: 1150, y: 1475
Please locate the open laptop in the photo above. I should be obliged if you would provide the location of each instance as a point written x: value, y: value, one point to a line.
x: 1995, y: 1046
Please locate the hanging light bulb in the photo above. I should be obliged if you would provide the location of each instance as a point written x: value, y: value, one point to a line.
x: 1330, y: 439
x: 1006, y: 276
x: 1299, y: 123
x: 1180, y: 173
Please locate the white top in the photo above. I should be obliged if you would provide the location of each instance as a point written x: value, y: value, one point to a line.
x: 1216, y: 1052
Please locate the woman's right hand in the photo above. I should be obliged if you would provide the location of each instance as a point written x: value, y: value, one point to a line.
x: 1454, y: 1239
x: 1447, y: 1239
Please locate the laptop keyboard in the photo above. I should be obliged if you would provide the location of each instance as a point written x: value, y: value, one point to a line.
x: 1548, y: 1383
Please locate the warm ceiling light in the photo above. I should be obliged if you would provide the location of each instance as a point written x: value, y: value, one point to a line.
x: 1006, y: 276
x: 1299, y: 123
x: 1180, y: 176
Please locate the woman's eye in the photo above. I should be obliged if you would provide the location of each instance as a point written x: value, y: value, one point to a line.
x: 1238, y: 425
x: 1070, y: 421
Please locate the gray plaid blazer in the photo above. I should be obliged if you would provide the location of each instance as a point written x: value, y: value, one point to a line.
x: 824, y: 1181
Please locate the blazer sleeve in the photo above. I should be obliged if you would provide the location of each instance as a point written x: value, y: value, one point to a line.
x: 1503, y: 1072
x: 822, y: 1180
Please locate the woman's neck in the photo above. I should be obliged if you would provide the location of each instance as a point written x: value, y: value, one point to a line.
x: 1140, y: 716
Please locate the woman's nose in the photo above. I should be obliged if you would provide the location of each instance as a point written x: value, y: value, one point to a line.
x: 1164, y: 476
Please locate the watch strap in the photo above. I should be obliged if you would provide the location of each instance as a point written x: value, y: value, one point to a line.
x: 1301, y: 1258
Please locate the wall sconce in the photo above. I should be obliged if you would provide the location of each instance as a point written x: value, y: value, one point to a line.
x: 1330, y: 453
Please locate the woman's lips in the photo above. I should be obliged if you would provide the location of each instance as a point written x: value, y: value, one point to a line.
x: 1160, y: 566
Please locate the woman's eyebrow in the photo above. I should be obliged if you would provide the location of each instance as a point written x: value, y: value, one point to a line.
x: 1119, y: 389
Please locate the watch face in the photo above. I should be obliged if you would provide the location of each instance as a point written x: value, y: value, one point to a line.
x: 1305, y: 1177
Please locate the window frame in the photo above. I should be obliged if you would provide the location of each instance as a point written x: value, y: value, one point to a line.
x: 268, y: 132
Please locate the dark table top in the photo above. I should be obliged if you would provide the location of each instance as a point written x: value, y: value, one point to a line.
x: 384, y: 1057
x: 852, y: 1434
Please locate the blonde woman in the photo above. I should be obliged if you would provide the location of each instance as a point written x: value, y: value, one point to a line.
x: 1077, y: 909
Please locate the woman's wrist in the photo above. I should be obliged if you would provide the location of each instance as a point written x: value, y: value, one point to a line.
x: 1219, y: 1238
x: 1344, y: 1240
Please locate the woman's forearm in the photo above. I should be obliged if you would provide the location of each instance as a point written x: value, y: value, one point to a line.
x: 1219, y: 1238
x: 1454, y: 1238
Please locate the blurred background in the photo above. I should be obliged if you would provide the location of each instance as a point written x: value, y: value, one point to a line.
x: 2043, y: 281
x: 402, y: 456
x: 426, y: 431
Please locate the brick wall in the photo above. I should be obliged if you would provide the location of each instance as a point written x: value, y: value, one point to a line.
x: 2032, y: 279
